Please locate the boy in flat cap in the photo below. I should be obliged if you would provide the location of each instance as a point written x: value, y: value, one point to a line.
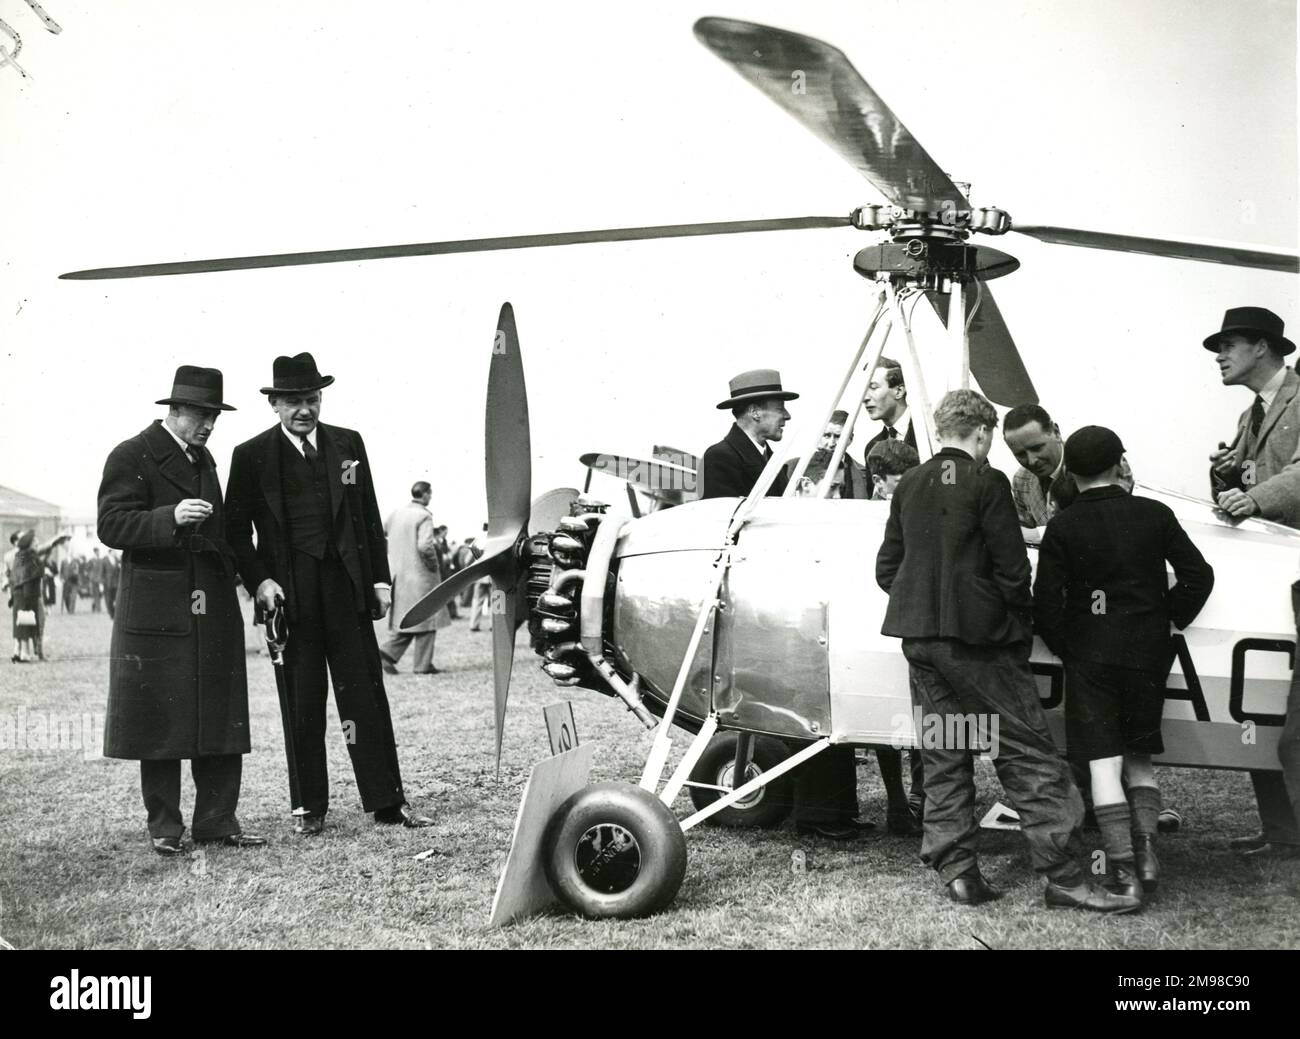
x: 1103, y: 605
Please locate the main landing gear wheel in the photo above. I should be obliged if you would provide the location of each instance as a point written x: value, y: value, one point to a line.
x: 768, y: 806
x: 614, y: 850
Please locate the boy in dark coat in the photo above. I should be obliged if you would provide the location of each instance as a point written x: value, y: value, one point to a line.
x: 1103, y: 605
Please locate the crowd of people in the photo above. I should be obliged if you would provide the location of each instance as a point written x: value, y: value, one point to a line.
x: 299, y: 527
x: 955, y: 567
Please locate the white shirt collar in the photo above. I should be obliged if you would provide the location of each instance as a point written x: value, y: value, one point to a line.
x: 902, y: 424
x: 294, y: 439
x: 185, y: 448
x: 762, y: 450
x: 1270, y: 389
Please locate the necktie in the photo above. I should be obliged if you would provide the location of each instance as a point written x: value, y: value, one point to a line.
x: 1256, y: 415
x: 310, y: 452
x: 891, y: 432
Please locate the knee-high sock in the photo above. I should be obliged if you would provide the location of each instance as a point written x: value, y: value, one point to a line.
x: 1115, y: 823
x: 1146, y: 808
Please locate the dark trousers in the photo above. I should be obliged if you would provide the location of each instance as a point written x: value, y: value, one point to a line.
x: 69, y: 596
x: 328, y: 631
x: 826, y: 787
x: 216, y: 793
x: 950, y: 678
x: 890, y: 760
x: 1278, y: 793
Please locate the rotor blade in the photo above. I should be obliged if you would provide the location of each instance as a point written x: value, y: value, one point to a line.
x: 509, y: 451
x: 546, y: 512
x: 471, y: 245
x: 498, y: 558
x: 994, y: 360
x: 817, y: 84
x: 1231, y: 255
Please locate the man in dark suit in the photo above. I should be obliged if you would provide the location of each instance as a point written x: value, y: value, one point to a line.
x: 955, y: 567
x: 886, y: 402
x: 176, y: 688
x: 1258, y: 474
x: 825, y: 788
x: 307, y: 490
x: 731, y: 467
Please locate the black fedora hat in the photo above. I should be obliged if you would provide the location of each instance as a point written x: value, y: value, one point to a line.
x: 759, y: 384
x: 296, y: 374
x: 200, y: 387
x: 1262, y: 322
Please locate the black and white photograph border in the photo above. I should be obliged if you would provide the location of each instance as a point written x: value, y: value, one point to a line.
x: 145, y: 132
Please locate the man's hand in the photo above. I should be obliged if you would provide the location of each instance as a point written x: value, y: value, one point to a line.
x: 1222, y: 460
x: 270, y: 596
x: 192, y: 511
x: 384, y: 601
x: 1238, y: 504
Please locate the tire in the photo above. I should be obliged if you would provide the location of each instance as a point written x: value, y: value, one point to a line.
x: 614, y: 850
x: 768, y: 807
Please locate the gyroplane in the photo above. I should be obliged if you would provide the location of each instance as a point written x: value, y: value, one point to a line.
x: 752, y: 625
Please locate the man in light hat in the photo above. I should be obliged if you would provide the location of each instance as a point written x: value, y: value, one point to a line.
x: 177, y: 687
x: 731, y: 467
x: 826, y: 787
x: 306, y: 489
x: 1258, y: 474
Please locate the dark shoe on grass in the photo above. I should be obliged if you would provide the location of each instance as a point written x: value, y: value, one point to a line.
x: 168, y: 846
x: 1088, y: 894
x: 234, y: 840
x: 403, y: 814
x: 309, y: 825
x: 972, y: 889
x: 833, y: 831
x: 1272, y: 852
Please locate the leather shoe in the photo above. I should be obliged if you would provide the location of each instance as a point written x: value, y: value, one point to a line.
x: 971, y: 889
x: 168, y: 846
x: 1271, y: 851
x: 404, y: 814
x: 431, y: 671
x: 1148, y: 866
x: 1088, y: 894
x: 309, y: 825
x: 1124, y: 880
x: 903, y: 824
x: 1251, y: 843
x: 235, y: 840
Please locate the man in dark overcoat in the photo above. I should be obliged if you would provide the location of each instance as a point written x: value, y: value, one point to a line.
x: 177, y: 688
x: 306, y: 489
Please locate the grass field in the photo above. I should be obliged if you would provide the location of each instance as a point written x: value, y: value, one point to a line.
x: 76, y: 870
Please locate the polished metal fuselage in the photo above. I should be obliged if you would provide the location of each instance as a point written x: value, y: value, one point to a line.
x: 793, y: 646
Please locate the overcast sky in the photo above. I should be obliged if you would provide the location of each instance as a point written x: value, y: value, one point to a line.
x: 153, y: 131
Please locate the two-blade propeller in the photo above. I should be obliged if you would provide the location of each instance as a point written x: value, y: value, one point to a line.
x: 509, y: 482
